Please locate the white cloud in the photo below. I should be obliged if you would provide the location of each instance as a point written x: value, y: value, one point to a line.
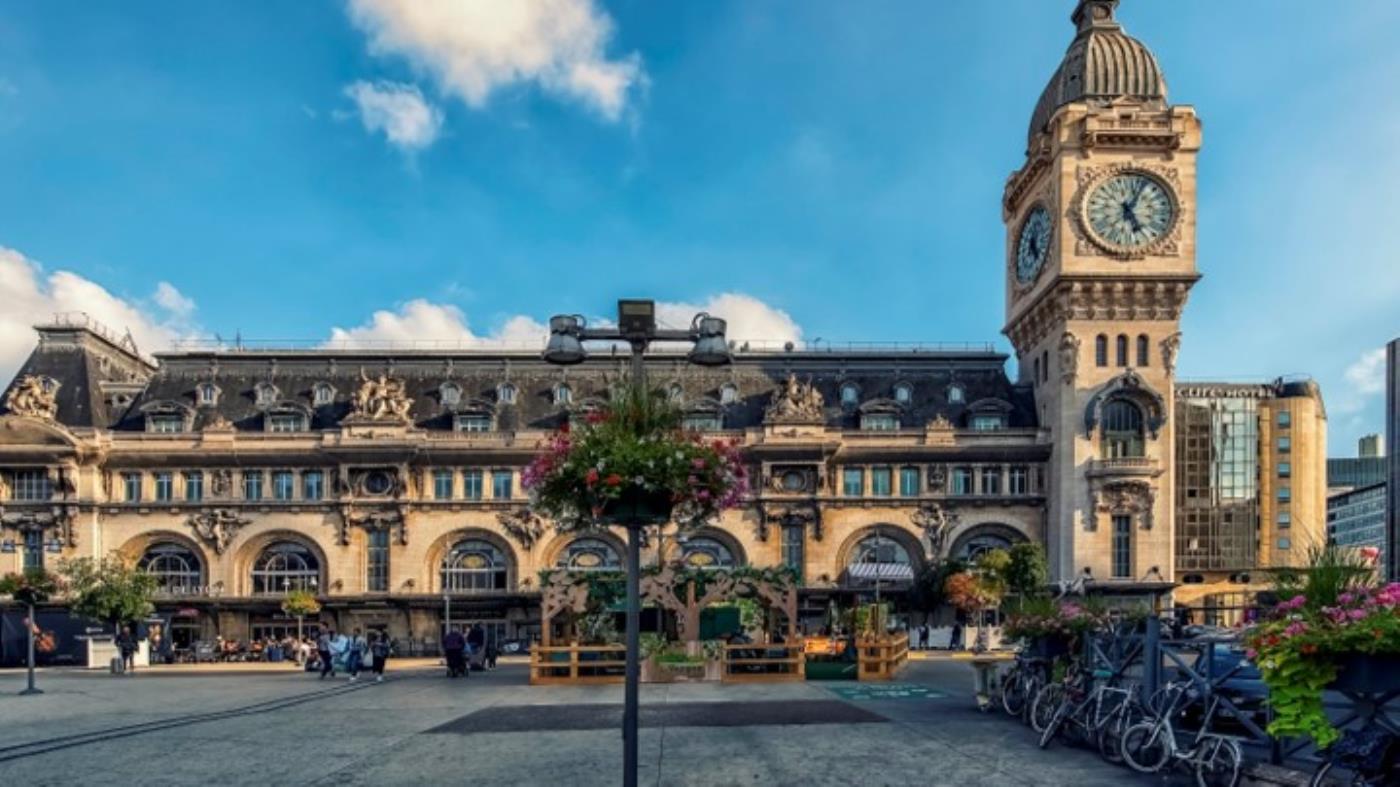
x: 31, y: 298
x: 1367, y: 374
x: 474, y: 47
x: 397, y: 110
x: 425, y: 324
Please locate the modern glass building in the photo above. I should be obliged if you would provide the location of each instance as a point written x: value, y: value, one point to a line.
x: 1357, y: 519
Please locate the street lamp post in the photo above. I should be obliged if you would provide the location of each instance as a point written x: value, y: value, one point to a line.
x: 30, y: 624
x: 636, y: 325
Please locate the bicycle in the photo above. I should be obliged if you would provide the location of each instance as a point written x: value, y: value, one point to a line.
x: 1021, y: 683
x: 1368, y: 757
x: 1082, y: 716
x: 1149, y: 746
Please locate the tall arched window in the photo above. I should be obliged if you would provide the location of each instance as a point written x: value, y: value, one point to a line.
x: 1101, y: 350
x: 1122, y: 349
x: 284, y: 566
x: 1122, y: 430
x: 1142, y: 354
x: 174, y: 566
x: 474, y: 566
x: 706, y: 552
x: 590, y: 554
x: 876, y: 548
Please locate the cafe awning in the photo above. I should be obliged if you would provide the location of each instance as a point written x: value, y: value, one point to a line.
x: 885, y: 572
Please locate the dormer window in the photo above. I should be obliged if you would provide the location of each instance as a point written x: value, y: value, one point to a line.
x: 165, y: 424
x: 850, y: 395
x: 728, y: 393
x: 265, y: 394
x: 207, y: 394
x: 450, y: 394
x: 505, y: 393
x: 879, y: 422
x: 473, y: 422
x: 701, y: 422
x: 956, y: 394
x: 563, y: 395
x: 286, y: 422
x: 675, y: 392
x: 987, y: 423
x: 322, y: 394
x: 903, y: 393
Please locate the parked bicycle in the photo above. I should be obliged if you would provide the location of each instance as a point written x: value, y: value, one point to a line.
x: 1368, y: 757
x: 1020, y: 684
x: 1086, y: 708
x: 1152, y: 745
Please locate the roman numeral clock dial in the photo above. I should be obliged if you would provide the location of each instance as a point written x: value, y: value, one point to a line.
x: 1130, y: 211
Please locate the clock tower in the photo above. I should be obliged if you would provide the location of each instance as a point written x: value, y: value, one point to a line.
x: 1100, y: 256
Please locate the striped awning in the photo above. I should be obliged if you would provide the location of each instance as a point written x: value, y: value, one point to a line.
x: 885, y: 572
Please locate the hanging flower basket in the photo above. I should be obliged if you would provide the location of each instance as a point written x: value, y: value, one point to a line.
x: 631, y: 463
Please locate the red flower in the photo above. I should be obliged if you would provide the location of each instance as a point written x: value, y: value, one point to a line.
x: 564, y: 427
x: 613, y: 479
x: 595, y: 417
x: 1308, y: 648
x: 592, y: 477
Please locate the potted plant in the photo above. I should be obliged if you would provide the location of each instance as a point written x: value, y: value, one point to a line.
x: 631, y: 463
x: 300, y: 604
x: 1336, y: 630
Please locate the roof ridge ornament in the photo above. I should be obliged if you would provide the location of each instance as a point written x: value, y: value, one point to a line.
x: 1095, y: 14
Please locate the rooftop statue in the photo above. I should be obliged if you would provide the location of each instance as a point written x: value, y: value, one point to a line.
x: 34, y: 397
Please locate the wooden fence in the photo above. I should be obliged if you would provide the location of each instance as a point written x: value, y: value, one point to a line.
x: 754, y: 663
x: 881, y: 658
x: 577, y: 664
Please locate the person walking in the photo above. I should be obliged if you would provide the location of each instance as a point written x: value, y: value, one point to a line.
x: 476, y: 644
x: 379, y: 654
x: 324, y: 638
x: 453, y: 644
x: 355, y: 655
x: 127, y: 646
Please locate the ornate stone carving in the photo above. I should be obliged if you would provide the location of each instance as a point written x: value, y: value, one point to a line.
x: 34, y: 397
x: 217, y: 527
x: 392, y: 519
x: 221, y: 483
x: 1072, y: 298
x: 381, y: 399
x: 790, y: 514
x: 59, y: 518
x: 796, y: 403
x: 1170, y: 346
x: 1128, y: 385
x: 938, y: 479
x: 522, y: 525
x: 1069, y: 357
x: 1134, y: 498
x: 936, y: 522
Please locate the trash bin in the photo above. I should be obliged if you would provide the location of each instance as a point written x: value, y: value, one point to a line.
x: 118, y: 667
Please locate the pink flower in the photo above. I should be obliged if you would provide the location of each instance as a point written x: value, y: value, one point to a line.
x: 1370, y: 554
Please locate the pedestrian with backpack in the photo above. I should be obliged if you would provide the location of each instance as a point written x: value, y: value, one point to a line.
x: 379, y: 653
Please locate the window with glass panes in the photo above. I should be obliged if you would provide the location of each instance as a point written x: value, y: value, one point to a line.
x: 909, y: 481
x: 1018, y: 481
x: 853, y: 482
x: 283, y: 485
x: 879, y: 422
x: 131, y: 487
x: 31, y: 485
x: 377, y: 563
x: 167, y: 423
x: 285, y: 422
x: 473, y: 423
x: 1285, y: 419
x: 1285, y: 444
x: 165, y: 487
x: 442, y: 484
x: 33, y: 549
x: 991, y: 480
x: 501, y: 484
x: 472, y: 484
x: 793, y: 539
x: 1217, y: 482
x: 194, y: 486
x: 313, y: 485
x: 1122, y: 546
x: 1284, y: 494
x: 1285, y: 470
x: 880, y: 481
x: 986, y: 423
x: 962, y: 480
x: 252, y: 484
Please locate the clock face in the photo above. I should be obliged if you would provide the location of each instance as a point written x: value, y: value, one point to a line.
x: 1130, y: 211
x: 1034, y: 244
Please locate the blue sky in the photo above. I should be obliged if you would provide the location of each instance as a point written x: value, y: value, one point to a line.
x: 286, y: 169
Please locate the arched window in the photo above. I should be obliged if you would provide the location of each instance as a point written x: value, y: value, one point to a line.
x: 850, y: 395
x: 675, y: 393
x: 505, y: 393
x: 1122, y: 349
x: 474, y: 566
x: 1101, y: 350
x: 174, y: 566
x: 903, y: 393
x: 563, y: 394
x: 980, y: 544
x: 728, y: 393
x: 955, y: 394
x: 208, y: 395
x: 876, y: 548
x: 322, y: 394
x: 1142, y: 354
x: 590, y: 554
x: 706, y: 552
x: 284, y: 566
x: 1122, y: 430
x: 451, y: 394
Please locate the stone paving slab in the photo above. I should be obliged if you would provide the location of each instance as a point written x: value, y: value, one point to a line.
x: 598, y: 716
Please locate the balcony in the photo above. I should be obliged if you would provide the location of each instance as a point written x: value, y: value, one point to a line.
x: 1125, y: 467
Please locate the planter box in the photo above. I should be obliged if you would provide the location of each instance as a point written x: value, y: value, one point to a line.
x: 1049, y: 647
x: 1364, y: 673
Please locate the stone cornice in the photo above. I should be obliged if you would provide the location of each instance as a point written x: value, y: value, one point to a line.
x: 1083, y: 297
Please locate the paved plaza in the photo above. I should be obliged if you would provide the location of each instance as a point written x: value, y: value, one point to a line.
x: 273, y: 726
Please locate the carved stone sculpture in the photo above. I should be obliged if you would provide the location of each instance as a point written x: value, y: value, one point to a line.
x: 523, y: 526
x: 796, y: 402
x: 1132, y: 498
x: 381, y: 399
x: 1170, y: 346
x: 937, y: 523
x: 217, y: 527
x: 221, y: 483
x: 1069, y: 357
x: 34, y: 397
x: 394, y: 520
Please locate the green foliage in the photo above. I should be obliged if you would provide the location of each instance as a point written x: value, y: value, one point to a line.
x: 33, y: 586
x: 713, y: 649
x: 678, y: 656
x: 651, y: 644
x: 927, y: 594
x: 1327, y: 573
x: 597, y: 628
x: 110, y: 590
x: 301, y: 603
x: 1026, y: 572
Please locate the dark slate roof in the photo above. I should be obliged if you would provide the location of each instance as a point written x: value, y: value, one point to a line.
x: 757, y: 375
x: 84, y: 362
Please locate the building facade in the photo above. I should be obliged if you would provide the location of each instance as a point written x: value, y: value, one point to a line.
x: 1251, y: 485
x: 1392, y: 433
x: 388, y: 482
x: 1357, y: 519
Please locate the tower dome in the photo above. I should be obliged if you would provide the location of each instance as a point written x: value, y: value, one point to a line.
x: 1103, y: 63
